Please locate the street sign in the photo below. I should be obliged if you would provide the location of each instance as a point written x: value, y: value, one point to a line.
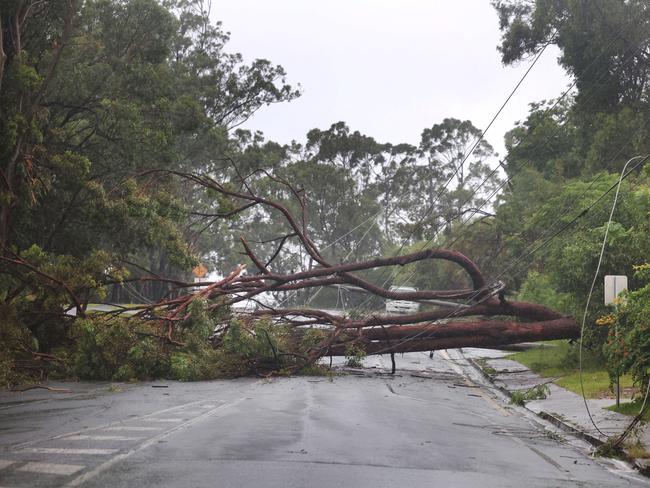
x: 614, y: 286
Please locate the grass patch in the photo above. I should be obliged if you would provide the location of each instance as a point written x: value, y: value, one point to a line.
x: 487, y: 369
x: 550, y: 359
x: 631, y: 409
x: 557, y: 359
x: 596, y: 383
x: 638, y: 452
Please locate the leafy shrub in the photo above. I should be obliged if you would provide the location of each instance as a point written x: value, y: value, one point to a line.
x: 192, y: 366
x: 354, y: 356
x: 628, y: 344
x: 256, y: 347
x: 537, y: 392
x: 15, y: 342
x: 117, y: 348
x: 539, y: 288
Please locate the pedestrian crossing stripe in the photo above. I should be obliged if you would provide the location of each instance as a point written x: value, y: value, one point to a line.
x: 50, y: 468
x: 169, y: 420
x: 81, y: 437
x: 57, y: 450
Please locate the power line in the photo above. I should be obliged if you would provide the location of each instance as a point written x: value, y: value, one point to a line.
x: 501, y: 164
x: 593, y: 282
x: 495, y: 286
x: 582, y: 214
x: 463, y: 161
x: 476, y: 143
x: 455, y: 173
x: 465, y: 157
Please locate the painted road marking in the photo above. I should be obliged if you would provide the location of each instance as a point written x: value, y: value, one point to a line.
x: 101, y: 438
x: 48, y: 468
x: 134, y: 429
x: 4, y: 463
x: 469, y: 382
x: 82, y: 431
x: 125, y: 455
x: 170, y: 420
x: 56, y: 450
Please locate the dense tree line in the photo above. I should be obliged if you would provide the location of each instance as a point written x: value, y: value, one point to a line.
x: 96, y: 95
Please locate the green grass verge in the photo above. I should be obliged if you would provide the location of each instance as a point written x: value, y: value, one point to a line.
x: 552, y: 361
x: 596, y: 384
x: 631, y: 408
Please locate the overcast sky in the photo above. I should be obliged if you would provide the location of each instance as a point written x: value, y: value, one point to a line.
x: 388, y: 68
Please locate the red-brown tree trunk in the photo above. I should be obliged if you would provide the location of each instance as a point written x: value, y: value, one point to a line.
x: 484, y: 334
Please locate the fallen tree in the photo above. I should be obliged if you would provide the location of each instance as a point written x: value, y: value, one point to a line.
x: 452, y: 325
x: 195, y: 333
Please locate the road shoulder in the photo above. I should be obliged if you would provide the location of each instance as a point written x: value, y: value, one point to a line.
x: 561, y: 407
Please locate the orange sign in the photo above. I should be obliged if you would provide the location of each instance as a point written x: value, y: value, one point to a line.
x: 200, y: 271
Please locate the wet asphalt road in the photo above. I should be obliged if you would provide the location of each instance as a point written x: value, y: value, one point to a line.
x: 433, y: 428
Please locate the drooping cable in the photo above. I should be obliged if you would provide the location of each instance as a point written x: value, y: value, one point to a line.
x: 593, y: 282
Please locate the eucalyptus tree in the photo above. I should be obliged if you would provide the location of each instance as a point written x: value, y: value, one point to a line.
x: 93, y: 96
x: 604, y: 44
x: 453, y: 178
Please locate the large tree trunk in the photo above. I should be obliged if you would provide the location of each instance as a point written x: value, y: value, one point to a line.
x: 477, y: 333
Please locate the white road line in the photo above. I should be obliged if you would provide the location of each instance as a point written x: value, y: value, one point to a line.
x: 4, y: 463
x: 82, y: 431
x: 120, y: 457
x: 57, y: 450
x: 131, y: 428
x: 469, y: 381
x: 170, y: 420
x: 101, y: 438
x: 48, y: 468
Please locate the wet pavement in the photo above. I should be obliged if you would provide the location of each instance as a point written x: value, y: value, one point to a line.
x: 561, y: 406
x: 435, y: 423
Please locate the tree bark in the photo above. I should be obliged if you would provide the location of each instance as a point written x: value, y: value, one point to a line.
x: 482, y: 334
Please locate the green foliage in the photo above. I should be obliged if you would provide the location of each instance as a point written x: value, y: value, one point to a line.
x: 255, y: 348
x: 144, y: 86
x: 632, y: 409
x: 141, y: 85
x: 14, y: 339
x: 199, y: 365
x: 116, y: 349
x: 123, y: 348
x: 537, y: 392
x: 559, y: 268
x: 628, y: 343
x: 316, y: 370
x: 592, y: 49
x: 538, y: 288
x: 201, y: 323
x: 313, y: 338
x: 354, y: 355
x: 558, y: 360
x: 609, y: 449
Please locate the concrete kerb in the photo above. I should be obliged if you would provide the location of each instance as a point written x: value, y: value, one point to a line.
x: 558, y: 421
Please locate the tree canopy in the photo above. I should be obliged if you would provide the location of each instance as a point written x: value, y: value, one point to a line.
x: 100, y: 98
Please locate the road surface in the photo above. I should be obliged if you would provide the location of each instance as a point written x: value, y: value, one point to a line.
x: 434, y: 427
